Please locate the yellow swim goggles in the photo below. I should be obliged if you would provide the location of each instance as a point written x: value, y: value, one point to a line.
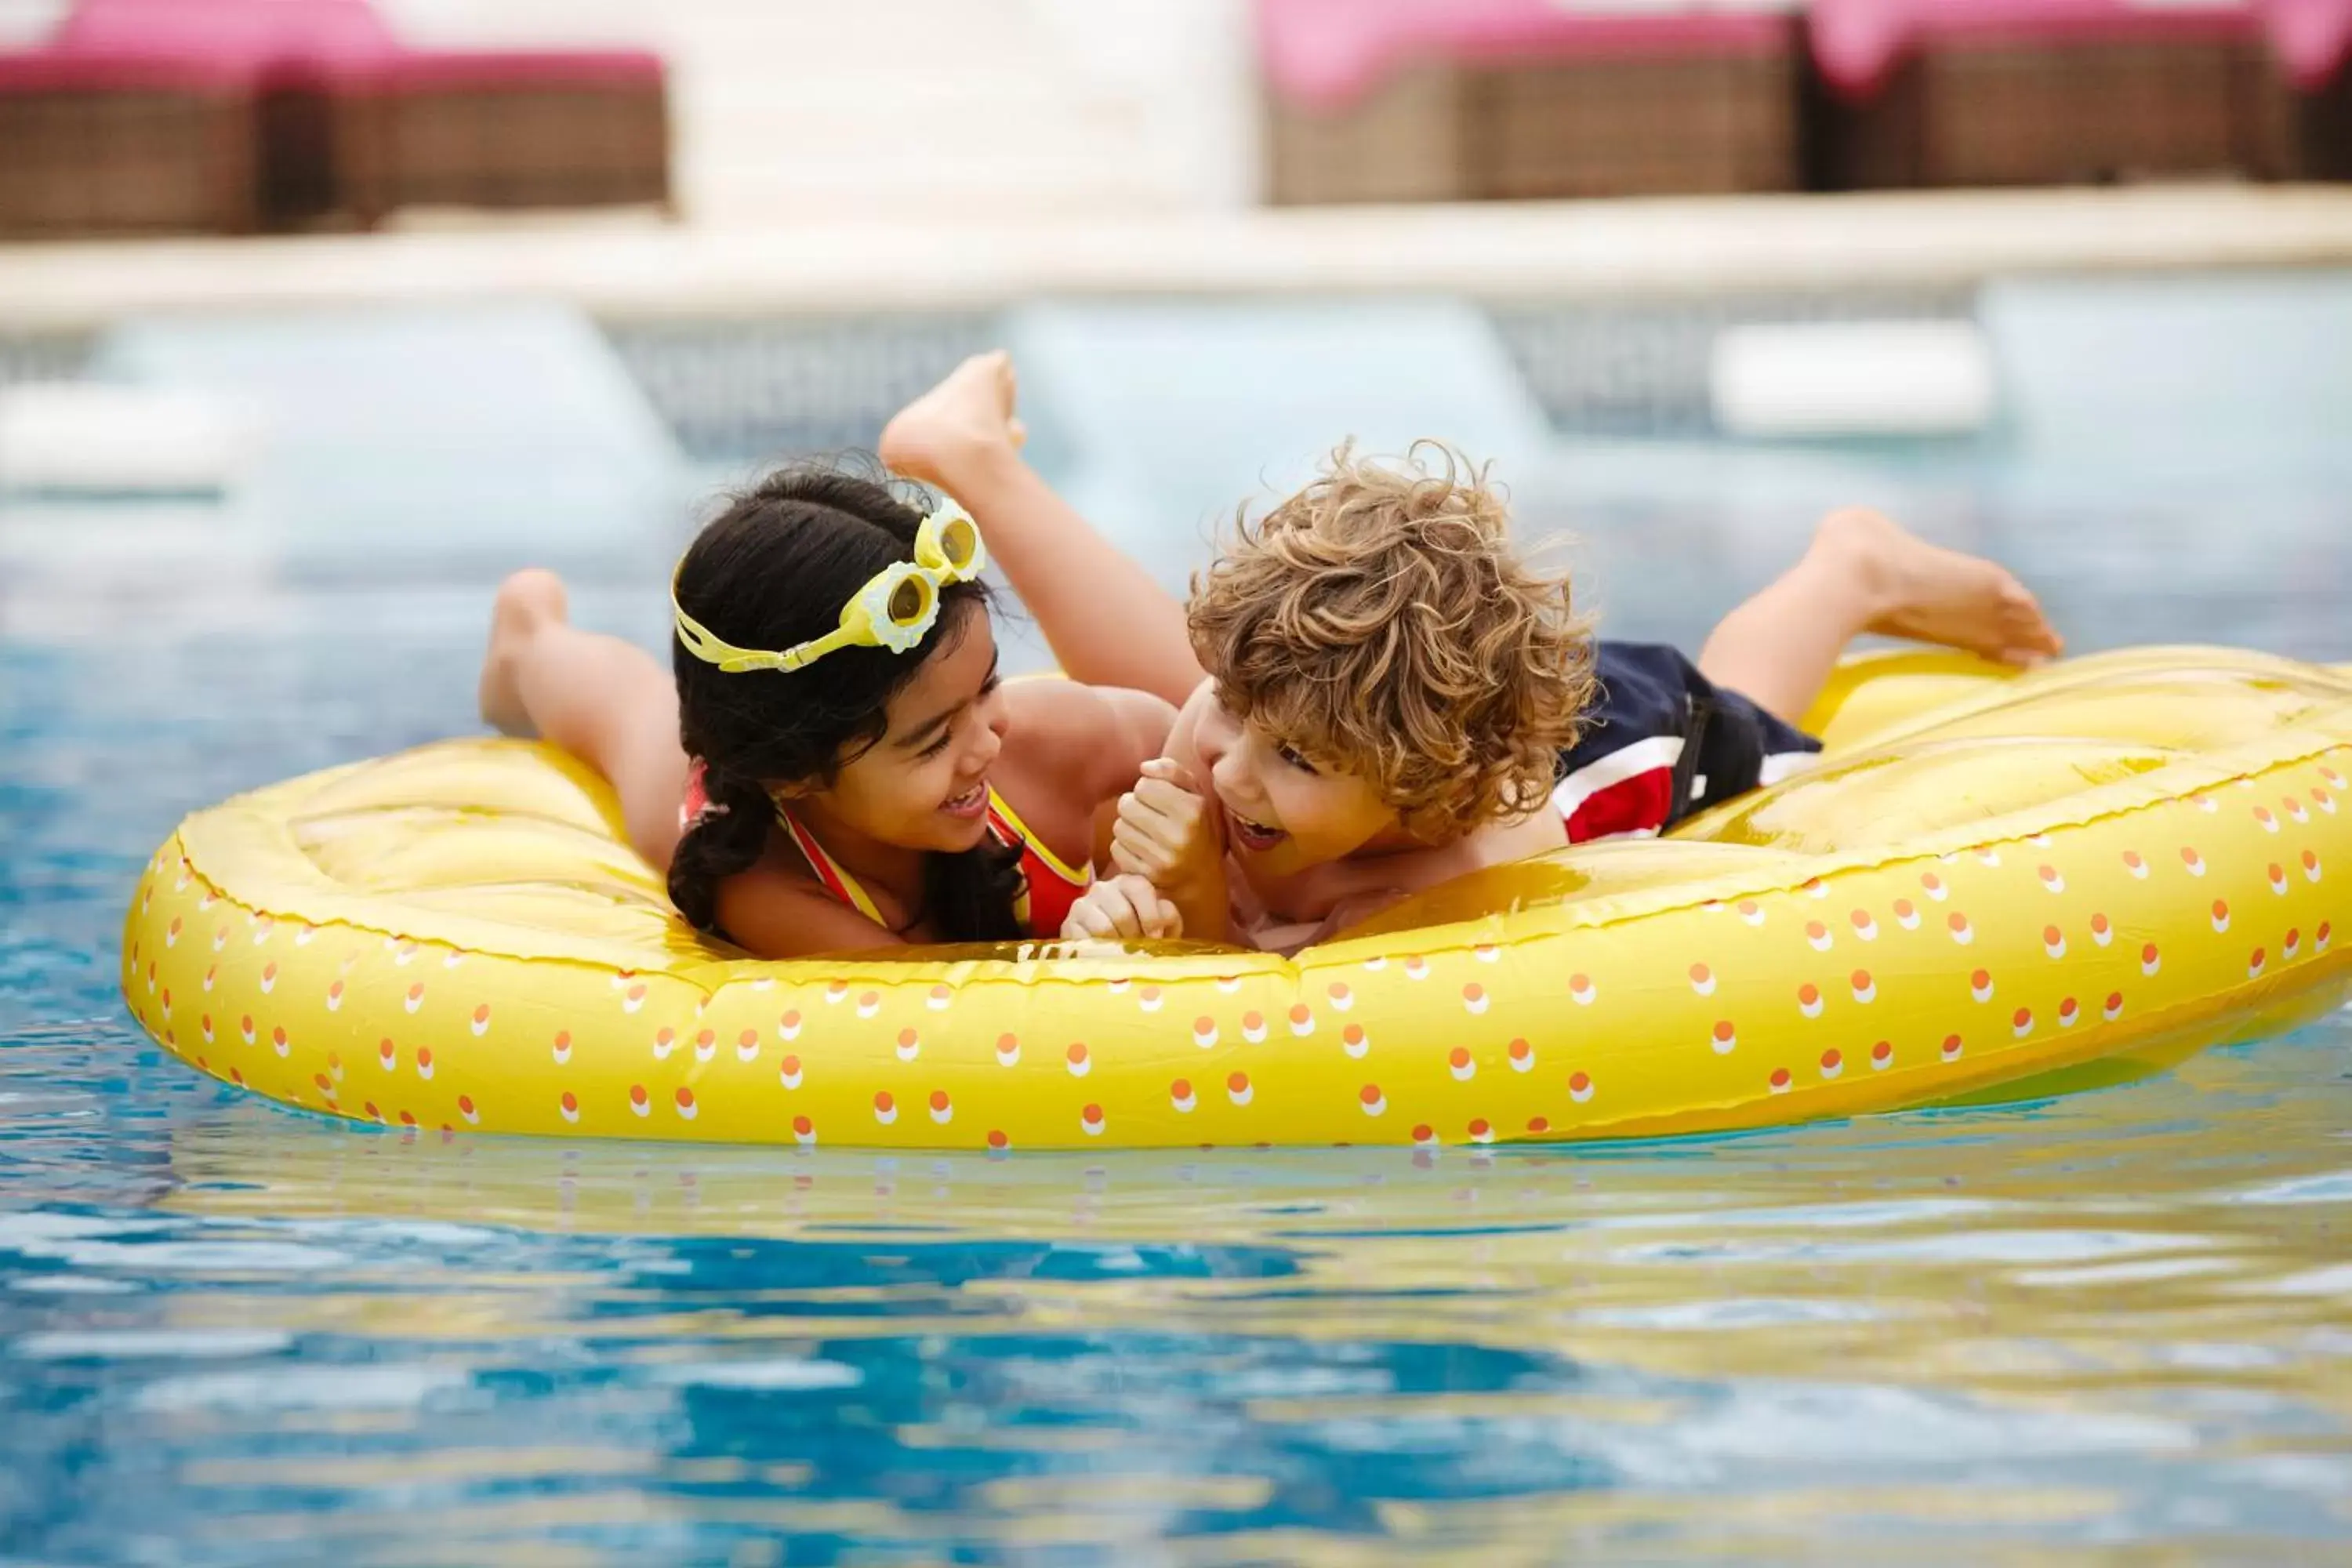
x: 893, y: 610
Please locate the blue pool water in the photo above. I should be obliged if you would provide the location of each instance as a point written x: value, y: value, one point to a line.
x: 231, y: 1334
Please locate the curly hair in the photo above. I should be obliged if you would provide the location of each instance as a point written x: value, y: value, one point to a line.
x: 1381, y: 622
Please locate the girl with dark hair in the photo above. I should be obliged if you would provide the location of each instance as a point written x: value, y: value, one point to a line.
x: 834, y: 763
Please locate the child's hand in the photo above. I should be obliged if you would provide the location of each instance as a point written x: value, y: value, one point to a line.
x: 1122, y: 908
x: 968, y: 416
x: 1170, y: 833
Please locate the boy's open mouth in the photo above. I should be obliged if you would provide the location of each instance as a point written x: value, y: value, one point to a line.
x: 1253, y: 836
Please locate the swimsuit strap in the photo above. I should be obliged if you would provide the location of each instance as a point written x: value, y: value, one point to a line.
x: 1003, y: 823
x: 1009, y: 829
x: 1048, y: 887
x: 829, y: 871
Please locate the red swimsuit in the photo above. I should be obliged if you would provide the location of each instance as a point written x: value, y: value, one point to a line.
x: 1048, y: 887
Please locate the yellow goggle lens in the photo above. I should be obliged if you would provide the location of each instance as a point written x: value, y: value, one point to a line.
x: 959, y: 539
x: 910, y: 602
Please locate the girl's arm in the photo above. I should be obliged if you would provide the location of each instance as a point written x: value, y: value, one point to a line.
x: 772, y: 913
x: 1070, y: 750
x: 1108, y: 622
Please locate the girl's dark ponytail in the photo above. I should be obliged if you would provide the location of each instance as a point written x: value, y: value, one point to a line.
x: 727, y: 839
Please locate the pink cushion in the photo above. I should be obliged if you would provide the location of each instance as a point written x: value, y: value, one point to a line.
x: 336, y: 45
x: 1328, y: 51
x: 301, y: 43
x: 59, y: 70
x: 1857, y: 44
x: 2311, y: 38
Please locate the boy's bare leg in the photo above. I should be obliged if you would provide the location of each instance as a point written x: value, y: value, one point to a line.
x: 1865, y: 573
x: 606, y: 701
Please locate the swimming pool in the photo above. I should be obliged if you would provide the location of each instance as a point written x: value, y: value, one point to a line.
x: 233, y: 1334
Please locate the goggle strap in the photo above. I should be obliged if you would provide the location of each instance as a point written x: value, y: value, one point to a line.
x: 931, y: 567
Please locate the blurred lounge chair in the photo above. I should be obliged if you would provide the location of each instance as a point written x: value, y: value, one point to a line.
x: 227, y: 115
x: 1468, y: 100
x: 2312, y: 41
x: 2026, y: 93
x: 126, y: 143
x: 300, y: 55
x: 507, y: 129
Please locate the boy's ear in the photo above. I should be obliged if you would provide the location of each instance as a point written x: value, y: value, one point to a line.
x: 791, y: 791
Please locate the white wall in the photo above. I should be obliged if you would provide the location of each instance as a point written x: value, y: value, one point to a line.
x: 793, y: 112
x: 24, y: 22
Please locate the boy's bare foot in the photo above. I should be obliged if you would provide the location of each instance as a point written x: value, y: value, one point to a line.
x: 527, y: 601
x: 1931, y: 595
x: 970, y: 413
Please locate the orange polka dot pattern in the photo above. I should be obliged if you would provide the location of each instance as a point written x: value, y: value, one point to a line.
x: 1867, y: 937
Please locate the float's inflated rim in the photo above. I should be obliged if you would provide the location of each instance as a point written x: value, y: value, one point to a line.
x: 1992, y: 885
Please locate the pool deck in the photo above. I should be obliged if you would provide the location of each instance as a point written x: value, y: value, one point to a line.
x: 628, y: 267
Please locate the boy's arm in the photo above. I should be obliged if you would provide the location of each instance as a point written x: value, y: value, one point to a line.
x: 1108, y: 622
x: 1083, y: 745
x: 1355, y: 887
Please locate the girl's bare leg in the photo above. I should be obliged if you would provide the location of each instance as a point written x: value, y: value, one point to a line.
x: 605, y: 702
x: 1108, y: 622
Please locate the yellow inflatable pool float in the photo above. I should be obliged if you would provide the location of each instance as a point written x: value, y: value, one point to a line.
x: 1992, y: 886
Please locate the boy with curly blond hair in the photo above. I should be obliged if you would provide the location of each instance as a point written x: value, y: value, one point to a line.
x: 1378, y: 692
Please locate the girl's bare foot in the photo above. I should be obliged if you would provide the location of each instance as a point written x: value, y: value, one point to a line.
x: 527, y: 602
x: 1931, y: 595
x: 970, y: 411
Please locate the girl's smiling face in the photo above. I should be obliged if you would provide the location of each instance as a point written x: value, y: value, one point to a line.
x: 924, y: 784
